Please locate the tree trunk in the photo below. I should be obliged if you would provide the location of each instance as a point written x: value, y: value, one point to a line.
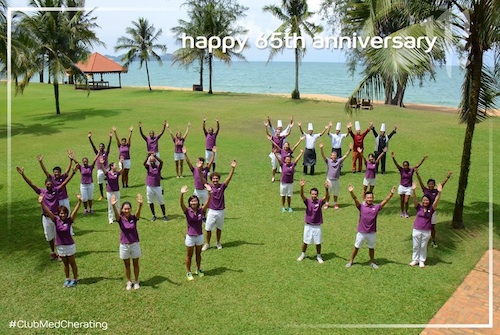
x: 473, y: 77
x: 400, y: 92
x: 201, y: 71
x: 147, y: 73
x: 388, y: 89
x: 210, y: 57
x: 296, y: 93
x: 40, y: 75
x: 56, y: 95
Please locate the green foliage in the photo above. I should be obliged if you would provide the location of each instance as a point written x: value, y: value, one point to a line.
x: 254, y: 285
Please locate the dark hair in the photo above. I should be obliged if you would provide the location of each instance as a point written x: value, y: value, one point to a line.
x: 126, y: 203
x: 194, y: 197
x: 124, y: 139
x: 110, y: 165
x: 371, y: 154
x: 201, y: 159
x: 314, y: 189
x: 406, y: 163
x: 48, y: 179
x: 214, y: 174
x: 427, y: 211
x: 57, y: 168
x: 64, y: 209
x: 368, y: 192
x: 102, y: 144
x: 428, y: 181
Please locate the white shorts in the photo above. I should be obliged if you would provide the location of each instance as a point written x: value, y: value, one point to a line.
x: 434, y: 218
x: 202, y: 195
x: 126, y: 164
x: 312, y: 233
x: 274, y: 160
x: 178, y: 156
x: 404, y: 190
x: 369, y: 182
x: 100, y: 176
x: 130, y: 250
x: 66, y: 250
x: 65, y: 203
x: 191, y: 241
x: 286, y: 190
x: 49, y: 228
x: 215, y: 219
x: 208, y: 156
x: 334, y: 187
x: 154, y: 193
x: 368, y: 237
x: 87, y: 191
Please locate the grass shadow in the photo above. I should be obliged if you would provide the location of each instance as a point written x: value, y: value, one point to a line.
x: 155, y: 281
x: 219, y: 271
x: 86, y: 253
x: 237, y: 243
x: 94, y: 280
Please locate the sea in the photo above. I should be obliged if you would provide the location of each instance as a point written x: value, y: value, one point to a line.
x: 279, y: 77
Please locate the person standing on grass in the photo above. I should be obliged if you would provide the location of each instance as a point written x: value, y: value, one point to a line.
x: 431, y: 192
x: 194, y: 236
x: 371, y: 169
x: 358, y: 139
x: 179, y: 140
x: 286, y: 185
x: 367, y: 225
x: 210, y: 141
x: 200, y: 175
x: 216, y: 206
x: 336, y: 138
x: 152, y: 140
x: 64, y: 242
x: 102, y: 153
x: 334, y: 165
x: 422, y: 225
x: 286, y: 150
x: 381, y: 143
x: 310, y: 153
x: 154, y: 191
x: 112, y: 186
x: 313, y: 220
x: 86, y: 183
x: 129, y: 238
x: 124, y: 151
x: 406, y: 180
x: 277, y: 138
x: 51, y: 197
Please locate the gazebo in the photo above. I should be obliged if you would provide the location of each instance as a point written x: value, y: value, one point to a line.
x: 98, y: 64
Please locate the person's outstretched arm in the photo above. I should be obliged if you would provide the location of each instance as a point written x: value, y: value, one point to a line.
x: 116, y: 136
x: 91, y: 142
x: 218, y: 126
x: 70, y: 156
x: 142, y: 134
x: 188, y: 161
x: 381, y: 154
x: 321, y: 145
x: 165, y: 124
x: 45, y: 209
x: 350, y: 188
x: 115, y: 210
x: 27, y: 180
x: 348, y: 152
x: 393, y: 155
x: 422, y: 185
x: 327, y: 194
x: 170, y: 131
x: 302, y: 182
x: 446, y: 179
x: 77, y: 206
x: 299, y: 156
x: 66, y: 181
x: 298, y: 142
x: 187, y: 130
x: 40, y: 160
x: 438, y: 197
x: 184, y: 189
x: 139, y: 205
x: 414, y: 194
x: 420, y: 163
x: 387, y: 198
x: 231, y: 173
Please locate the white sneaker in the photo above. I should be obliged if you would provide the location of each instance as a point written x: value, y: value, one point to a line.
x: 219, y: 246
x: 206, y: 246
x: 136, y: 285
x: 375, y: 266
x: 421, y: 264
x: 320, y: 260
x: 348, y: 265
x: 301, y: 257
x: 413, y: 263
x: 129, y: 286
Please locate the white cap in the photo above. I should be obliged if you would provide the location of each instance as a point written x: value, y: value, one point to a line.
x: 339, y: 125
x: 357, y: 126
x: 280, y: 124
x: 382, y: 127
x: 310, y: 126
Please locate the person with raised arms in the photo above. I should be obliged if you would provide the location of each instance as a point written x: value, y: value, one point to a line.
x: 333, y: 166
x: 310, y: 152
x: 102, y: 152
x: 277, y: 137
x: 86, y: 183
x: 179, y: 140
x: 371, y: 170
x: 154, y: 191
x: 210, y: 141
x: 286, y: 184
x: 124, y: 151
x: 200, y: 175
x: 112, y: 185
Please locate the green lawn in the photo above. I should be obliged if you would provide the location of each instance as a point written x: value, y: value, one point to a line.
x: 254, y: 285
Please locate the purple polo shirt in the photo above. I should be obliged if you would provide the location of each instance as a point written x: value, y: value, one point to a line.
x: 86, y: 172
x: 124, y: 151
x: 314, y: 215
x: 217, y: 199
x: 333, y: 167
x: 112, y: 185
x: 210, y: 140
x: 103, y: 154
x: 368, y: 218
x: 406, y: 177
x: 431, y: 194
x: 287, y: 172
x: 194, y: 222
x: 128, y: 229
x: 371, y: 169
x: 152, y: 143
x: 178, y: 143
x: 198, y: 183
x: 63, y: 193
x: 285, y: 154
x: 423, y: 218
x: 279, y: 140
x: 50, y: 199
x: 63, y: 231
x: 153, y: 176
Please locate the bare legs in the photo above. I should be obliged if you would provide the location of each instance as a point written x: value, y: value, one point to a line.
x: 125, y: 177
x: 179, y: 167
x: 135, y: 261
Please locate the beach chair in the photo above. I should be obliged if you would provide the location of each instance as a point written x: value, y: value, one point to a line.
x: 354, y: 103
x: 366, y: 104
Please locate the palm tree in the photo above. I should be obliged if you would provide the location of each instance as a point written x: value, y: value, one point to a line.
x: 141, y: 44
x: 61, y: 38
x: 294, y: 15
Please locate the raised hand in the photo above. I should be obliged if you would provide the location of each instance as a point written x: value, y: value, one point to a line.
x: 327, y: 183
x: 113, y: 129
x: 184, y: 150
x: 302, y: 182
x: 233, y: 163
x: 39, y: 157
x: 102, y: 160
x: 78, y: 196
x: 385, y: 149
x: 139, y: 198
x: 414, y: 186
x: 360, y: 150
x: 350, y: 188
x: 184, y: 189
x: 439, y: 187
x: 208, y: 188
x: 110, y: 134
x: 71, y: 155
x: 89, y: 134
x: 140, y: 124
x: 321, y: 145
x: 393, y: 154
x: 214, y: 149
x: 393, y: 189
x: 204, y: 118
x: 40, y: 198
x: 131, y: 128
x: 20, y: 169
x: 114, y: 201
x: 189, y: 124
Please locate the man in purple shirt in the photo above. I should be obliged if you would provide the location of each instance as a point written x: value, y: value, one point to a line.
x: 367, y: 225
x: 334, y: 164
x: 154, y: 191
x: 286, y: 185
x: 152, y: 140
x: 200, y: 175
x: 313, y: 220
x: 51, y: 196
x: 58, y: 178
x: 101, y: 154
x: 210, y: 141
x: 216, y: 206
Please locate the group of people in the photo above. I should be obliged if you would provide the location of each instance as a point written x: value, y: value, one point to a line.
x: 206, y: 204
x: 282, y: 159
